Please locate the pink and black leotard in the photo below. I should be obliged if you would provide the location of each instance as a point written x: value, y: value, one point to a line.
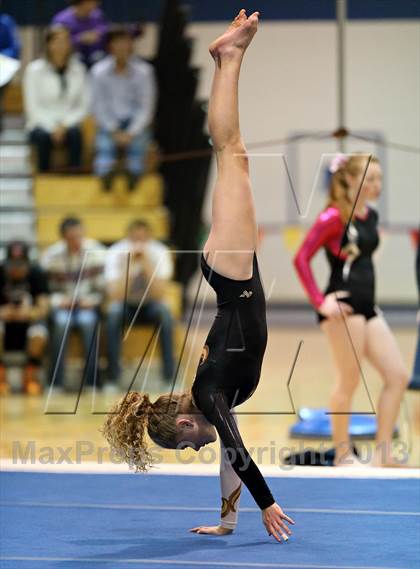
x: 349, y: 253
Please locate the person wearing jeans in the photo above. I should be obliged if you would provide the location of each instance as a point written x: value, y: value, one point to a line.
x: 85, y: 320
x: 137, y: 269
x: 107, y: 152
x: 152, y: 312
x: 124, y: 94
x: 75, y: 269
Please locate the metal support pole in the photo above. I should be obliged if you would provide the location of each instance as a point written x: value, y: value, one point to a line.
x: 341, y: 13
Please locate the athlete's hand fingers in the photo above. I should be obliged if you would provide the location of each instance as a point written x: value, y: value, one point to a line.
x: 272, y: 531
x: 285, y: 528
x: 202, y: 529
x: 276, y: 532
x: 197, y: 530
x: 282, y: 529
x: 285, y: 517
x: 211, y: 530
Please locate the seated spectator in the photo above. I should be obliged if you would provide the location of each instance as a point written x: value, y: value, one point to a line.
x: 56, y: 99
x: 87, y: 25
x: 123, y: 105
x: 23, y: 313
x: 74, y: 267
x: 149, y: 268
x: 9, y: 47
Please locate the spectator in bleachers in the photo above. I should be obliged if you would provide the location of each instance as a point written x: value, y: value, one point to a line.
x: 147, y: 266
x: 57, y: 99
x: 87, y: 25
x: 74, y: 267
x: 124, y: 93
x: 23, y: 313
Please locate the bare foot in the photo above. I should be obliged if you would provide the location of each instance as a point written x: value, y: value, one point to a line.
x: 238, y: 36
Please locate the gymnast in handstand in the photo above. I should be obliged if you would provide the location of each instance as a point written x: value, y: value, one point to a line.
x: 230, y: 365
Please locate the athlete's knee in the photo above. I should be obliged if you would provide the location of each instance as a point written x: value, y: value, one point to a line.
x: 348, y: 381
x: 234, y: 150
x: 397, y: 379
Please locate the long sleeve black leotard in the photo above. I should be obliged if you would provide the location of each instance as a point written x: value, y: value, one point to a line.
x: 230, y: 368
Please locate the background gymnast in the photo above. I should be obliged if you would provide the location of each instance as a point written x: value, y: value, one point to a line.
x: 230, y: 365
x: 347, y: 313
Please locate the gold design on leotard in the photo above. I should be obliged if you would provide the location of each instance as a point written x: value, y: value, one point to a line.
x: 204, y: 354
x: 229, y: 504
x: 351, y: 250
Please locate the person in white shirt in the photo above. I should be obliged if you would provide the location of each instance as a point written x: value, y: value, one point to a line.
x: 56, y: 97
x: 136, y: 271
x: 75, y: 270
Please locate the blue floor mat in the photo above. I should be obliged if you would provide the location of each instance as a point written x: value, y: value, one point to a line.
x: 123, y: 521
x: 316, y: 423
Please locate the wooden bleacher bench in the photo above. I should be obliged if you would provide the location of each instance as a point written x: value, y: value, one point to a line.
x: 13, y: 99
x: 55, y: 191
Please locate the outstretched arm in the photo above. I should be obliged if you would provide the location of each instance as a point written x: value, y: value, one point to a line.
x: 215, y: 408
x: 230, y: 486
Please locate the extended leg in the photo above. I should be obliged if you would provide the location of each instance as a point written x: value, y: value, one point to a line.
x: 384, y: 354
x: 347, y: 342
x: 233, y: 218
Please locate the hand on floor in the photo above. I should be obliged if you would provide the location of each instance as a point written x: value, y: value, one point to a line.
x: 212, y: 530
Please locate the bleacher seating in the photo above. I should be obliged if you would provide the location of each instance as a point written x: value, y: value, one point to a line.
x: 13, y: 99
x: 106, y: 216
x: 52, y: 191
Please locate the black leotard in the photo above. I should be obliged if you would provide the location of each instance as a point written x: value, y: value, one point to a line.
x: 230, y: 368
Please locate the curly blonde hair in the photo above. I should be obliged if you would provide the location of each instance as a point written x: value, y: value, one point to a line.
x: 339, y: 188
x: 128, y: 420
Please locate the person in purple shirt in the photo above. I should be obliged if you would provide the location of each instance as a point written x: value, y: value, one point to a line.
x: 87, y: 26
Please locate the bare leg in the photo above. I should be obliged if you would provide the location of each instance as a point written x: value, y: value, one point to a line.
x: 233, y: 236
x: 385, y: 356
x: 347, y: 353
